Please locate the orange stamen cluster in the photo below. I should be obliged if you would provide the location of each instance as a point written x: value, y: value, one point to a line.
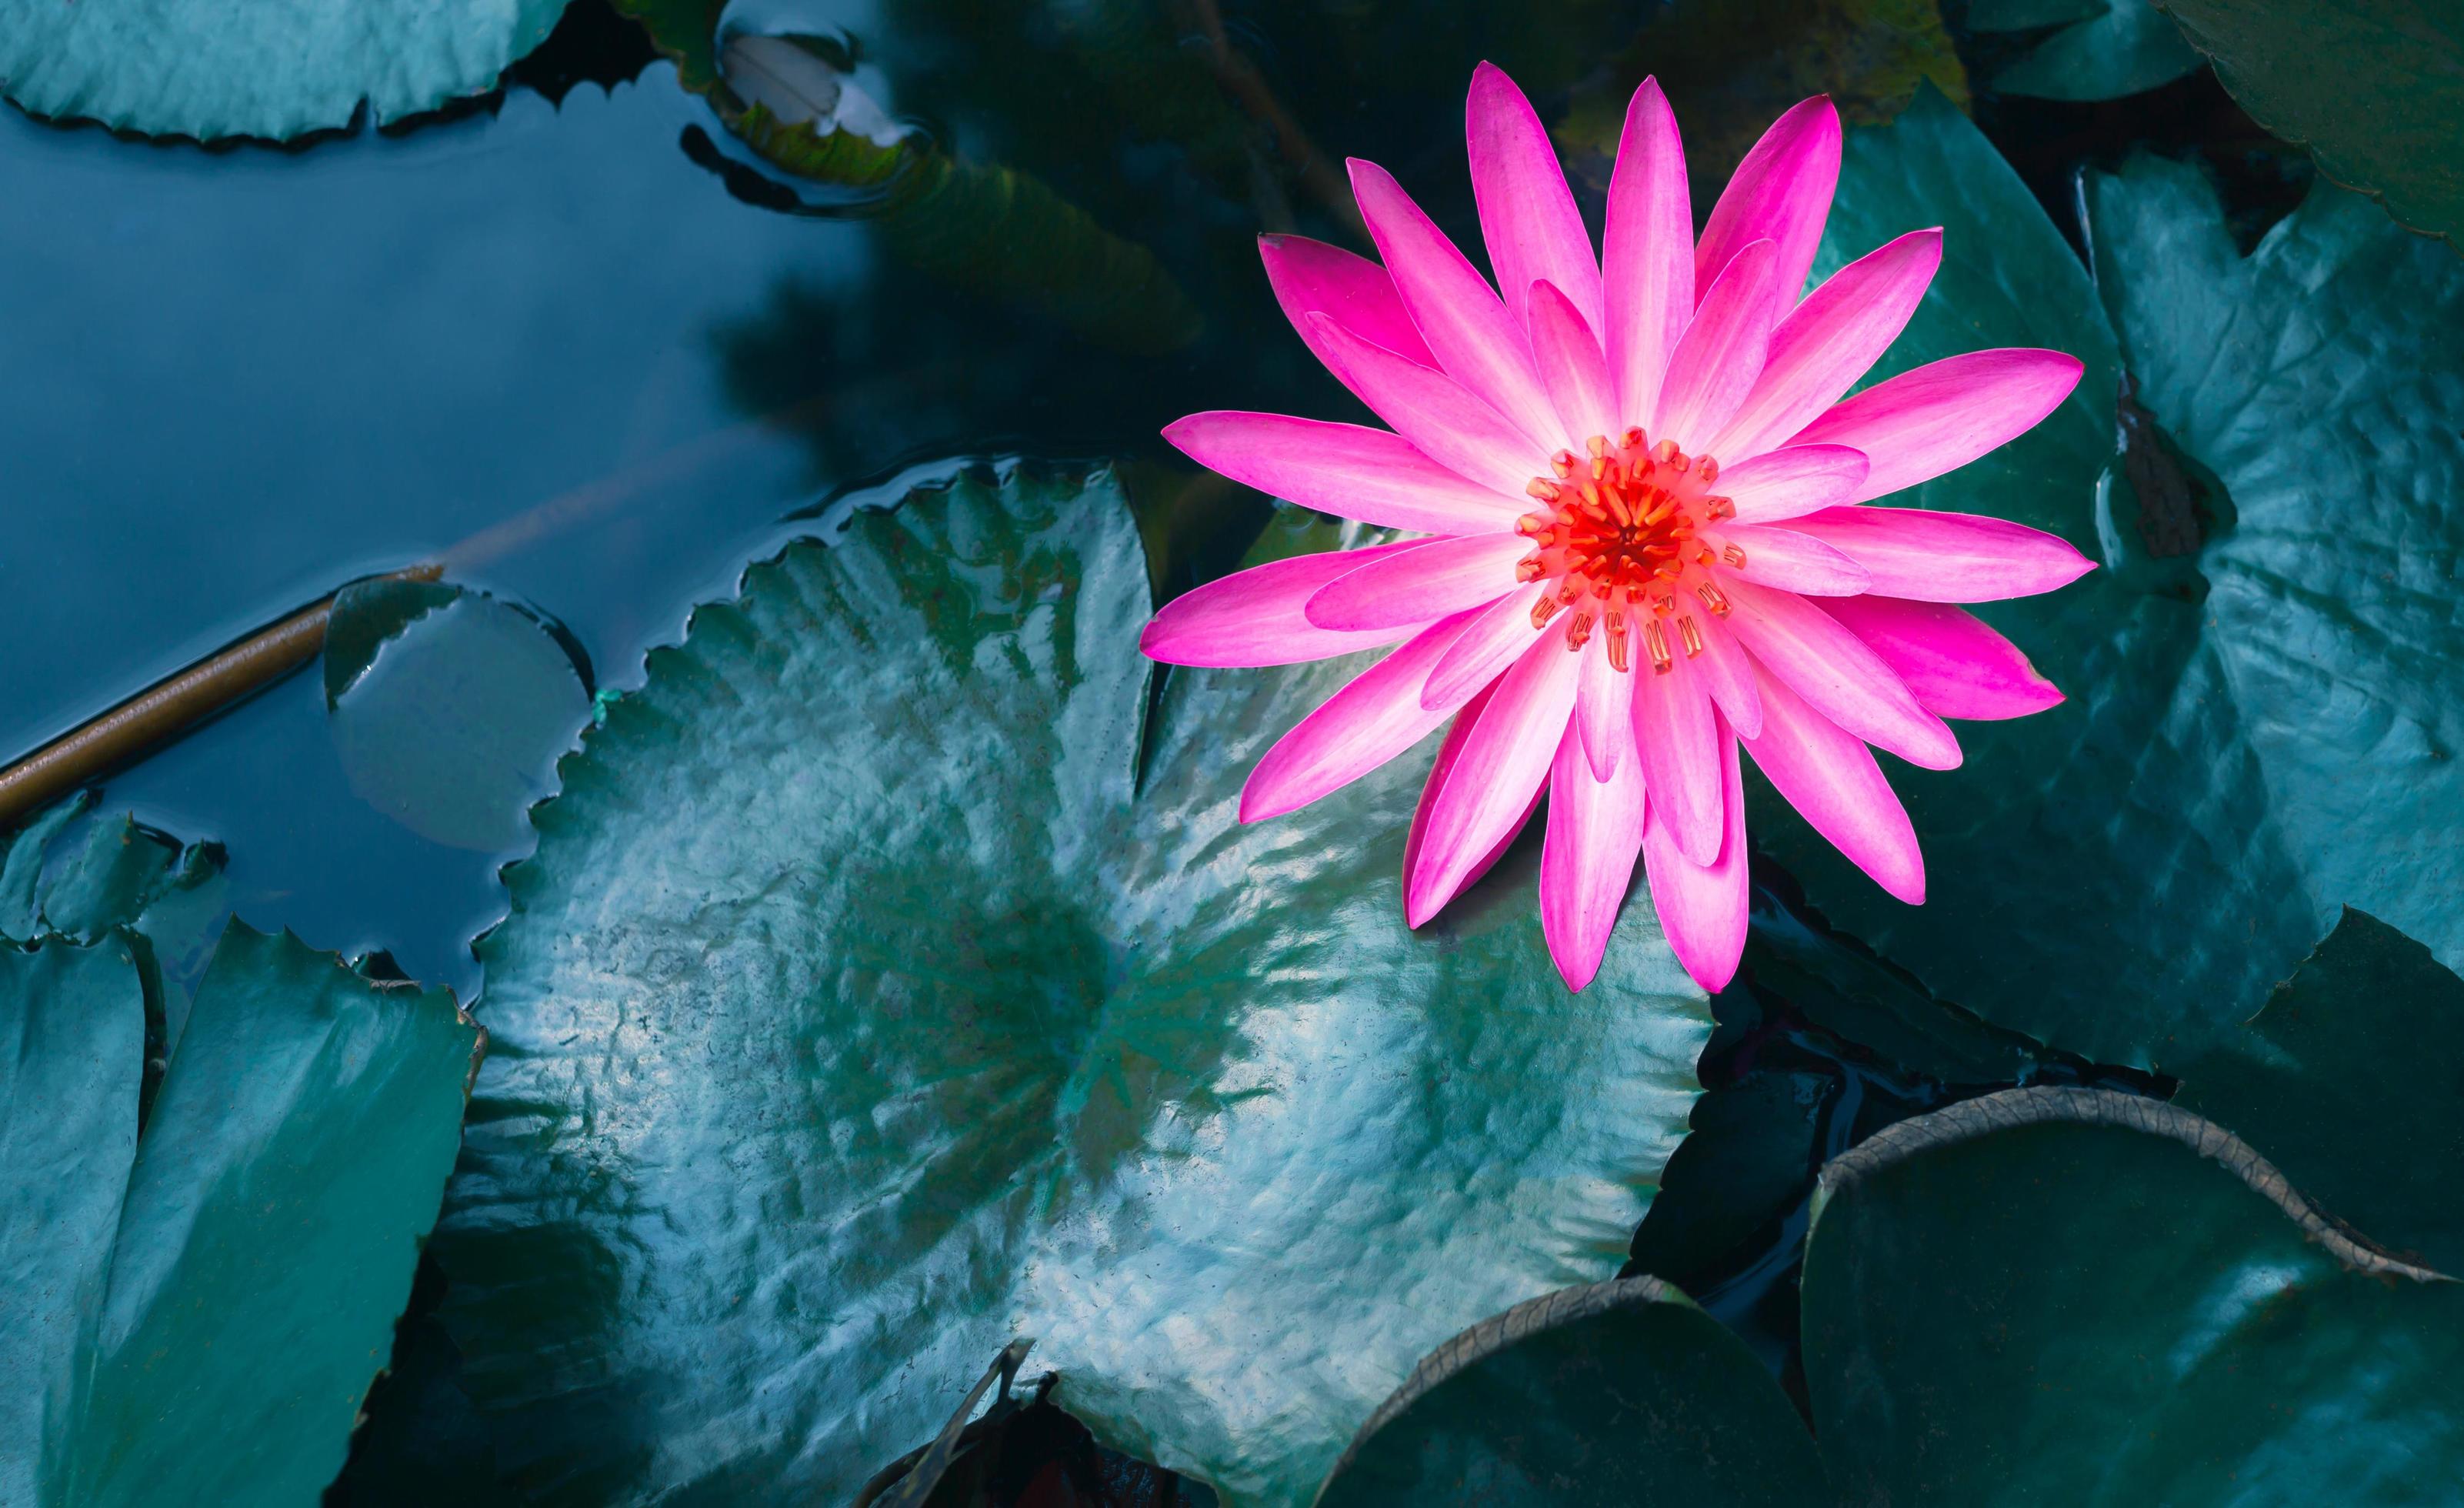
x: 1619, y: 539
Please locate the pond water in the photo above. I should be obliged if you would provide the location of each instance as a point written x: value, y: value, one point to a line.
x: 551, y: 339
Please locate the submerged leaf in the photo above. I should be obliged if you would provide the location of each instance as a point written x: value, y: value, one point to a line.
x: 185, y: 68
x: 448, y: 708
x: 205, y: 1303
x: 2121, y: 47
x: 866, y: 1006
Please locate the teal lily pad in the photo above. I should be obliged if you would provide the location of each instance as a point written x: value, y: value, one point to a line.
x: 2043, y: 1296
x: 2263, y: 683
x: 183, y: 67
x: 2373, y: 88
x: 448, y: 707
x: 2122, y: 47
x: 870, y: 1002
x: 200, y: 1305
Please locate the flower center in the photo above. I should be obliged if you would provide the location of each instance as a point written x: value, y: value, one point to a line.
x: 1620, y: 545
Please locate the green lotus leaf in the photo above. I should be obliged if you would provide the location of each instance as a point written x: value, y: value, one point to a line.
x: 448, y: 708
x: 2373, y: 88
x: 870, y: 1002
x: 185, y: 68
x: 2351, y: 1079
x: 2121, y: 47
x: 2271, y: 622
x: 199, y: 1304
x: 2042, y: 1296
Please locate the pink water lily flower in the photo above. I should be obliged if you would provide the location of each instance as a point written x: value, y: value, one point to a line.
x: 1646, y: 543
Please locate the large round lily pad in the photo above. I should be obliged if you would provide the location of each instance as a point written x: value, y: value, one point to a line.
x: 870, y: 1002
x: 271, y: 68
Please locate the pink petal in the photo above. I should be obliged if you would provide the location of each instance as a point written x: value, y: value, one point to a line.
x: 1527, y: 214
x: 1449, y: 749
x: 1727, y: 673
x: 1647, y: 253
x: 1474, y: 339
x: 1491, y: 642
x: 1831, y: 778
x: 1721, y: 349
x: 1312, y: 277
x: 1571, y: 367
x: 1673, y: 729
x: 1837, y: 676
x: 1586, y: 858
x: 1781, y: 193
x: 1489, y: 789
x: 1343, y: 469
x: 1259, y: 616
x: 1436, y: 578
x: 1955, y: 665
x: 1782, y: 484
x: 1377, y: 716
x: 1831, y: 340
x: 1947, y: 557
x: 1604, y: 711
x: 1704, y: 908
x: 1434, y: 411
x: 1781, y: 558
x: 1940, y: 416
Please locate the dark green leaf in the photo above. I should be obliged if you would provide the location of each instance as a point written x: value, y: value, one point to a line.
x: 187, y: 68
x: 1620, y: 1393
x: 449, y: 708
x: 858, y: 1015
x: 2078, y: 1296
x: 2352, y: 1081
x: 2123, y: 49
x: 2373, y: 88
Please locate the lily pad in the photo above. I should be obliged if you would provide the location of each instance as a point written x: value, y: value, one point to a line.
x: 204, y: 1302
x: 2123, y: 47
x: 185, y: 68
x: 869, y: 1003
x: 2351, y: 1079
x: 2264, y: 685
x: 2041, y: 1295
x: 2373, y: 88
x: 449, y: 708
